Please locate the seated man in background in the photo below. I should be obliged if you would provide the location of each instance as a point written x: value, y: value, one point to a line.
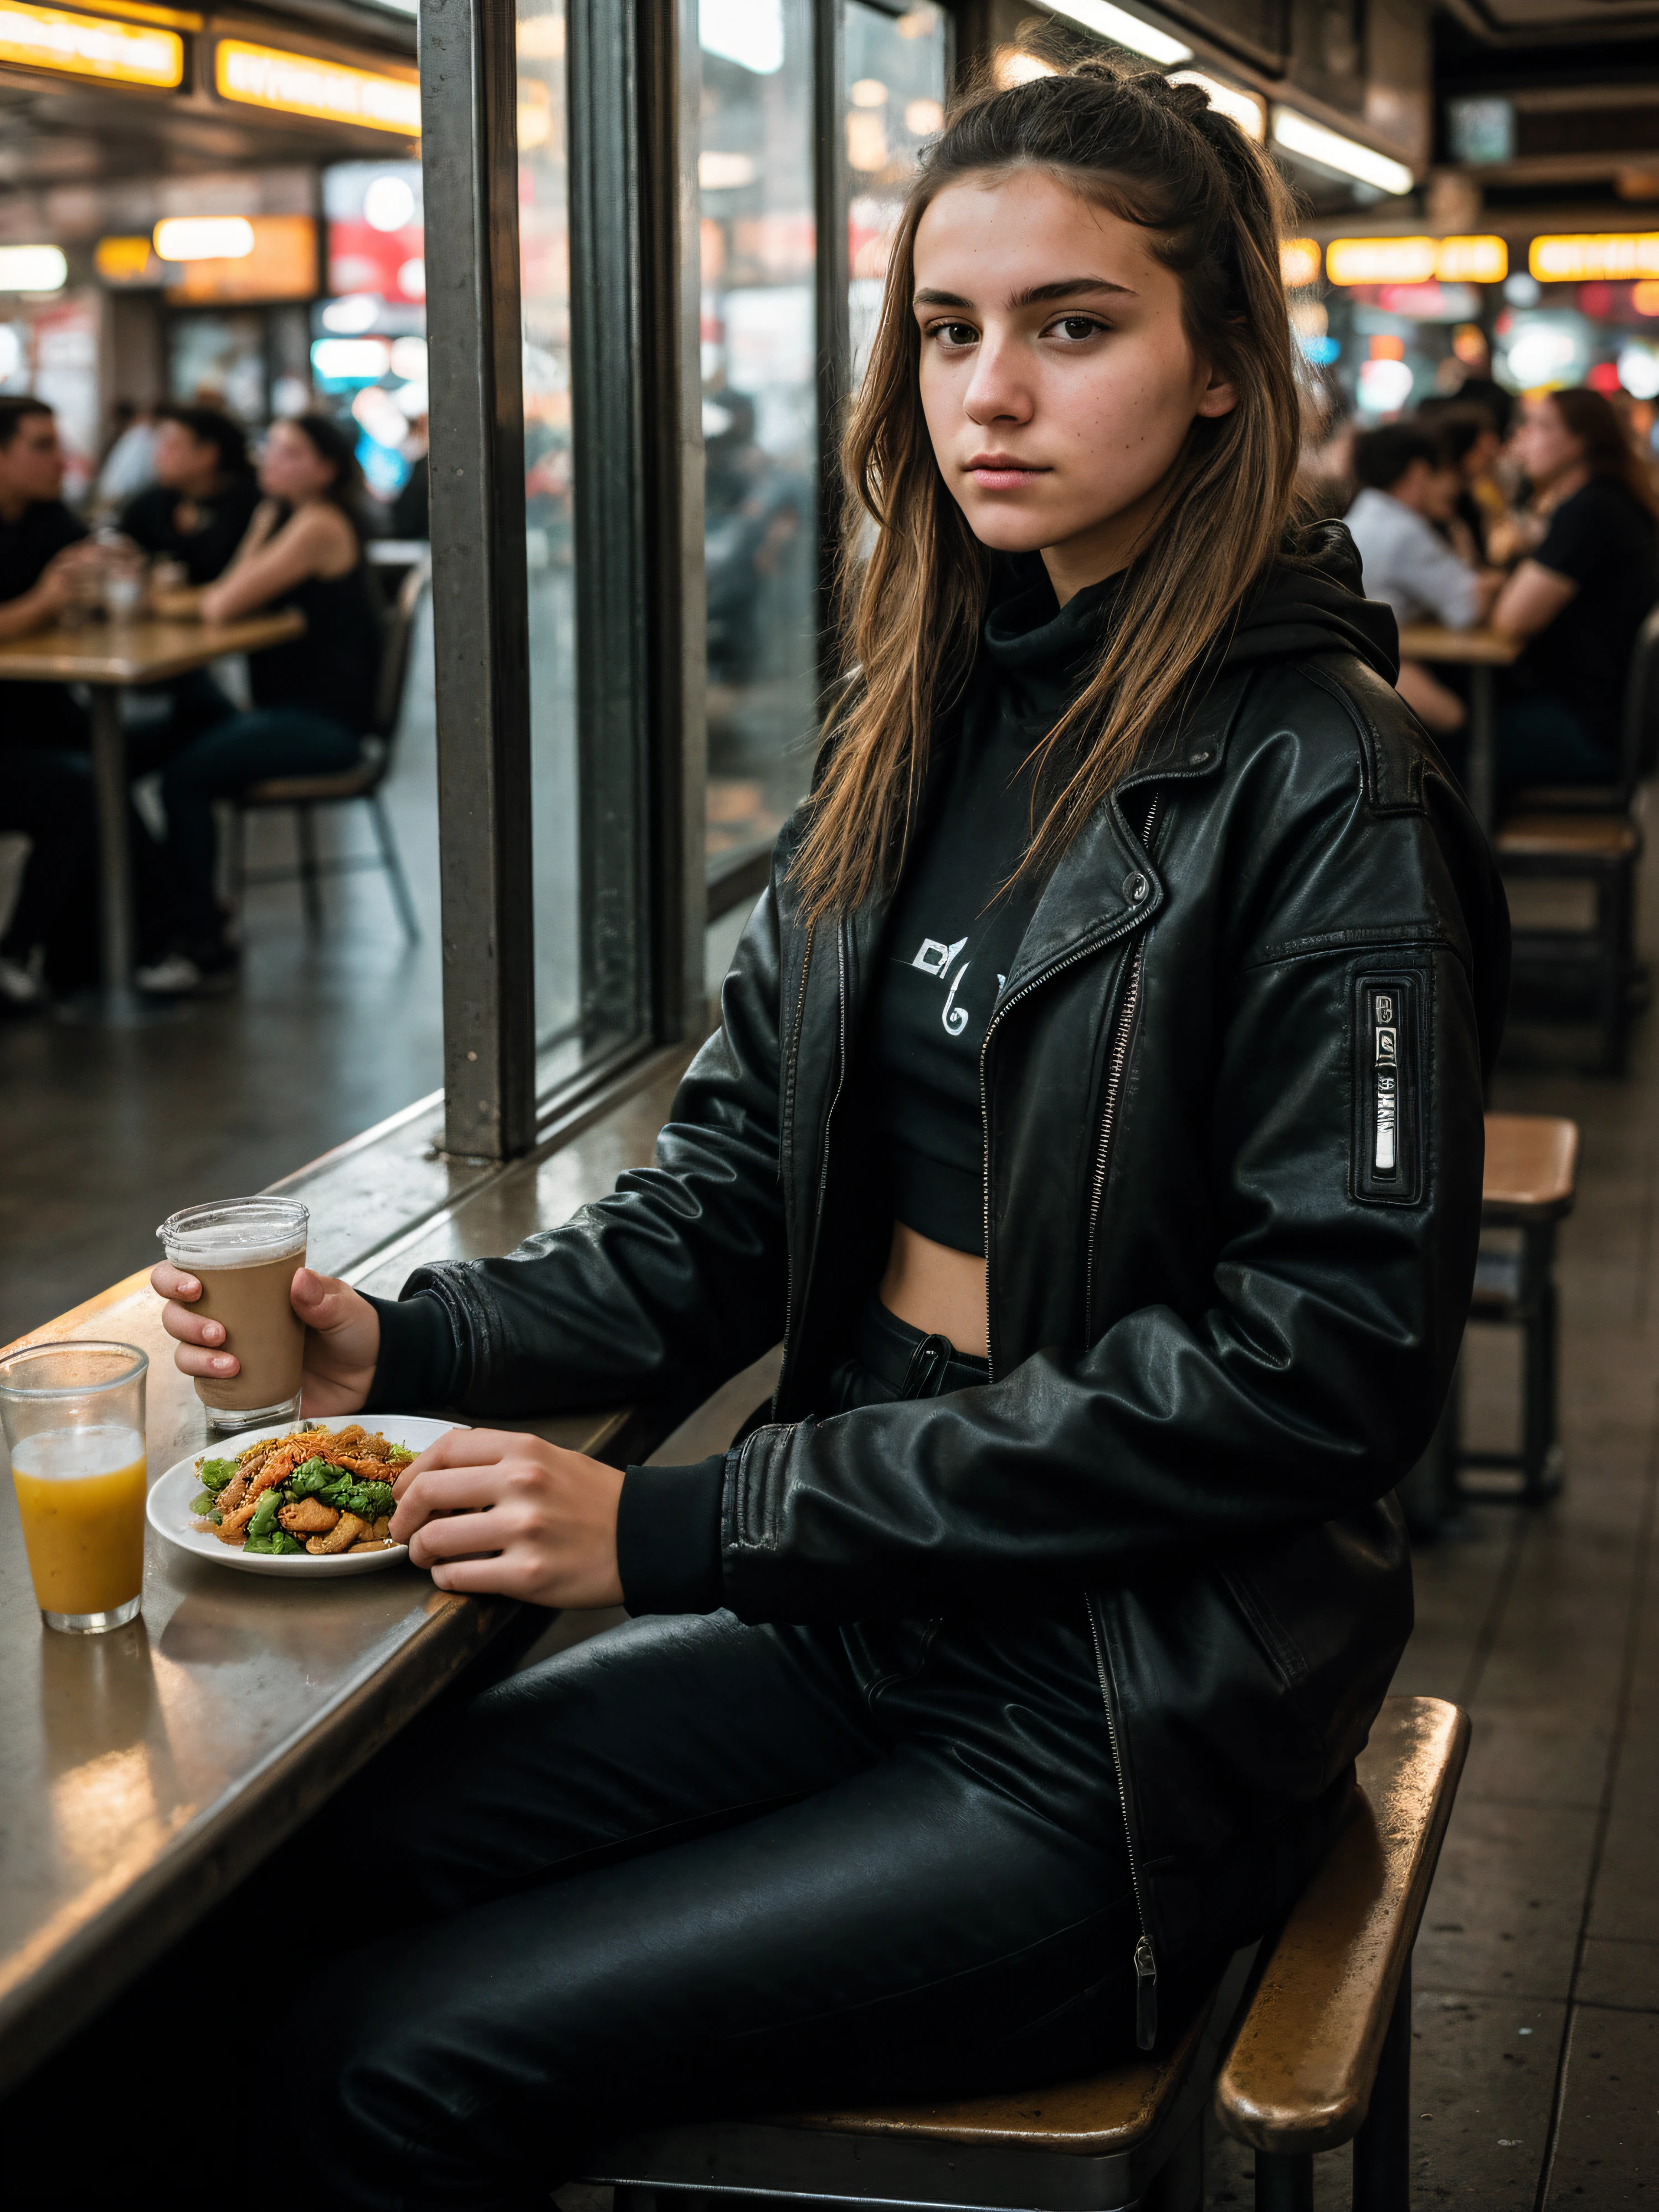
x: 46, y: 784
x: 1407, y: 486
x: 1580, y: 598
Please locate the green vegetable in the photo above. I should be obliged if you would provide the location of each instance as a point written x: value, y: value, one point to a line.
x: 216, y: 1473
x: 264, y: 1513
x: 203, y: 1502
x: 277, y: 1540
x: 313, y: 1479
x: 402, y: 1456
x: 348, y: 1495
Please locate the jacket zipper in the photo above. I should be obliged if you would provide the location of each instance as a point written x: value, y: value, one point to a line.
x: 1117, y: 1067
x: 1145, y: 1959
x: 1145, y: 1962
x: 835, y: 1100
x: 788, y: 1253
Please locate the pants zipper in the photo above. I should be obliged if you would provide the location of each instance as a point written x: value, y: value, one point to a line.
x: 1145, y: 1961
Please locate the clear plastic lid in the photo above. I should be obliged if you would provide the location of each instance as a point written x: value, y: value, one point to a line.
x: 235, y: 1232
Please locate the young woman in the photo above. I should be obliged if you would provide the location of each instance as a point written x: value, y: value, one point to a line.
x: 313, y: 699
x: 1095, y: 1113
x: 1579, y: 599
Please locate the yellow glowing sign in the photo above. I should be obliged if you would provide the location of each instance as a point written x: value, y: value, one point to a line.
x: 123, y: 260
x: 83, y: 45
x: 1593, y: 257
x: 1299, y: 262
x: 1417, y: 260
x: 300, y: 84
x: 1472, y: 261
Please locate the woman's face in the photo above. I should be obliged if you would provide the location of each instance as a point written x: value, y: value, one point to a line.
x: 1543, y: 445
x: 1058, y: 382
x: 291, y: 468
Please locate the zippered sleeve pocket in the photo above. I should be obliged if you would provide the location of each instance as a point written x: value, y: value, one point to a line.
x: 1388, y: 1077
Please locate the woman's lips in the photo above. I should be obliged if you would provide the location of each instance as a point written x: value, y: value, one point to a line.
x: 999, y: 475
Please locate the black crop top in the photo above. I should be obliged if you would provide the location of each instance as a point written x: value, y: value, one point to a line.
x: 954, y: 930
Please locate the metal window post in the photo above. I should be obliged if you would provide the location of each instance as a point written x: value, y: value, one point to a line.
x: 469, y: 152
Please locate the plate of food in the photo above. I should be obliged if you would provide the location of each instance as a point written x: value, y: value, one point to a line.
x: 308, y: 1499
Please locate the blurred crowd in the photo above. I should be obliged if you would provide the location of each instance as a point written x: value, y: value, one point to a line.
x: 1537, y: 518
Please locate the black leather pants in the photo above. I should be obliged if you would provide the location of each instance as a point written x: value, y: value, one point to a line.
x: 695, y: 1867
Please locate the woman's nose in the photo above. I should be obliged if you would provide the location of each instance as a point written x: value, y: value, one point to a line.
x: 996, y: 393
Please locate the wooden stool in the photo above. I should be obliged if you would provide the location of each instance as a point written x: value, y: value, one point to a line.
x: 1322, y: 2056
x: 1530, y: 1184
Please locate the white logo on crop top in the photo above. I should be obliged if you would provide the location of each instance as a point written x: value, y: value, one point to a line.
x: 935, y: 959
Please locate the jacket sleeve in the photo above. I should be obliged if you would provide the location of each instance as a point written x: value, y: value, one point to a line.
x: 666, y: 1287
x: 1307, y: 1387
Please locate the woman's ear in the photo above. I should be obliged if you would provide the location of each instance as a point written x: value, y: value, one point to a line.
x: 1217, y: 396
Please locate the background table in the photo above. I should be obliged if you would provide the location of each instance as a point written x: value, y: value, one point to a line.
x: 1479, y: 651
x: 106, y: 657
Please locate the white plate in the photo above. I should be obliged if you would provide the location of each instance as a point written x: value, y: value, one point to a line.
x: 168, y: 1505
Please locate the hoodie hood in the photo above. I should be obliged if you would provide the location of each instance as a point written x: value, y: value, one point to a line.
x: 1313, y: 600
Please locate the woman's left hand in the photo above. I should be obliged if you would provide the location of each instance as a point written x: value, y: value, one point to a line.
x: 488, y: 1510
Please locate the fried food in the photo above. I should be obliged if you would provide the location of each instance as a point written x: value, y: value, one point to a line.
x: 319, y: 1490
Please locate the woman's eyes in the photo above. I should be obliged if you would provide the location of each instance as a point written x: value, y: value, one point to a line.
x: 1070, y: 330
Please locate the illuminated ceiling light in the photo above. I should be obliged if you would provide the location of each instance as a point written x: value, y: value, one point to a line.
x: 1240, y: 106
x: 747, y: 32
x: 85, y: 45
x: 868, y: 92
x: 922, y: 118
x: 1592, y: 256
x: 1380, y: 260
x: 350, y: 360
x: 1300, y: 262
x: 122, y: 260
x: 356, y: 312
x: 1298, y: 134
x: 388, y: 204
x: 300, y: 84
x: 918, y: 22
x: 33, y: 269
x: 204, y: 238
x: 725, y: 172
x: 541, y: 38
x: 1123, y: 29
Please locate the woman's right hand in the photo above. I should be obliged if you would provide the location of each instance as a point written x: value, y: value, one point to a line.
x: 342, y: 1337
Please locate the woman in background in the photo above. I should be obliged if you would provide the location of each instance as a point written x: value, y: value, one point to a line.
x: 1580, y: 596
x: 313, y: 697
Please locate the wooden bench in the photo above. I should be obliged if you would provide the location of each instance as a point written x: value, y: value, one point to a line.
x: 1305, y: 2045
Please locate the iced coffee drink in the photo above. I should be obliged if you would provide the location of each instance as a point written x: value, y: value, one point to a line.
x: 243, y: 1252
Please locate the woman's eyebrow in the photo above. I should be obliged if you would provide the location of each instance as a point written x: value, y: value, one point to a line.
x: 1034, y: 295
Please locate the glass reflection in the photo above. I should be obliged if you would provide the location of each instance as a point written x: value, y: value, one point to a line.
x: 544, y: 276
x: 896, y: 67
x: 760, y: 414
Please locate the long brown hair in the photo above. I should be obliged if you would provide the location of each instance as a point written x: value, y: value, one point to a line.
x: 1157, y: 154
x: 1591, y: 417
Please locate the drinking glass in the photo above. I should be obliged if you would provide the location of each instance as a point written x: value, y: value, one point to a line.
x: 244, y: 1251
x: 74, y: 1417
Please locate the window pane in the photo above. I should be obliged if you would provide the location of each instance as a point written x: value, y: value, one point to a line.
x: 545, y: 258
x: 760, y: 414
x: 895, y: 67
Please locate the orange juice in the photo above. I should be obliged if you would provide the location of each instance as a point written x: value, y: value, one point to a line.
x: 81, y: 1498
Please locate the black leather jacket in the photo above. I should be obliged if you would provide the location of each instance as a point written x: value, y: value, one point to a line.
x: 1233, y: 1114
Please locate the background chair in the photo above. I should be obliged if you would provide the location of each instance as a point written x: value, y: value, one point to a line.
x: 1587, y: 835
x: 305, y: 793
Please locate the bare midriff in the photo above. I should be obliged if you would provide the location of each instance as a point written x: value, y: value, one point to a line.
x: 936, y: 1289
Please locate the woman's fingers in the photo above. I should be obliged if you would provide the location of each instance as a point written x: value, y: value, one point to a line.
x: 463, y: 1448
x: 444, y: 1490
x: 199, y: 1340
x: 456, y: 1536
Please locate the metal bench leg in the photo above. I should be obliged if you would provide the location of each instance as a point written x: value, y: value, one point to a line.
x: 1180, y: 2184
x: 394, y: 868
x: 1383, y: 2148
x: 306, y: 830
x: 1283, y: 2184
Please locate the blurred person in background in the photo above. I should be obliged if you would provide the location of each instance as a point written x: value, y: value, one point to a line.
x: 313, y: 697
x: 45, y: 782
x: 411, y: 515
x: 202, y: 496
x: 1407, y: 488
x: 1579, y: 598
x: 1467, y: 440
x: 129, y: 466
